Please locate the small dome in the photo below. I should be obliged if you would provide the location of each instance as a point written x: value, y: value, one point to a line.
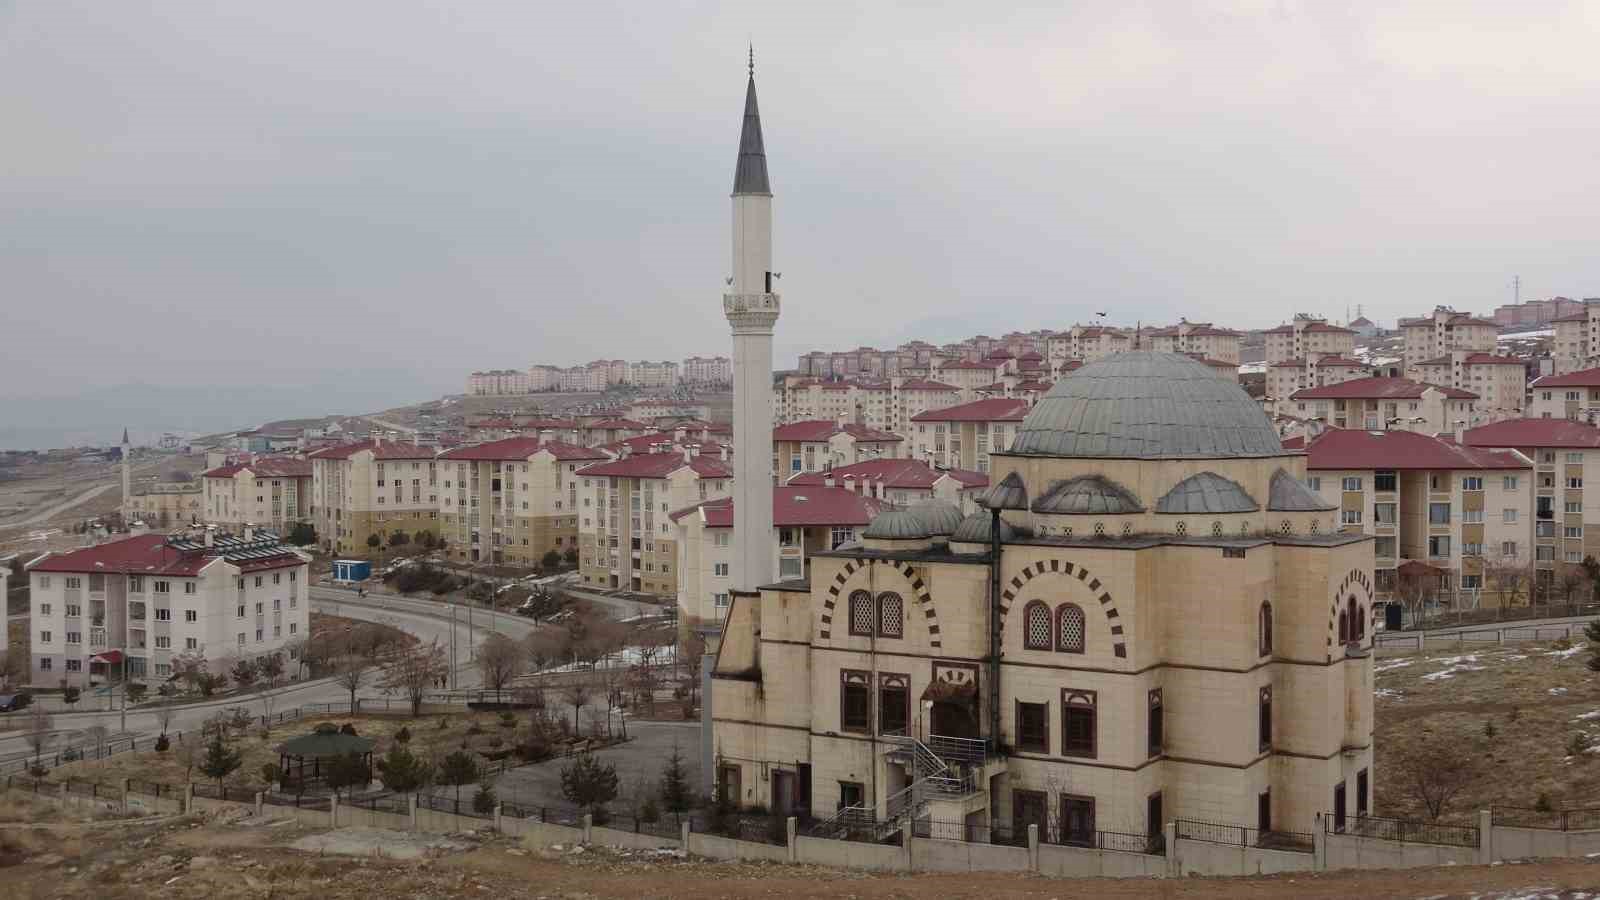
x: 1206, y: 492
x: 1146, y: 405
x: 896, y: 525
x: 1010, y: 493
x: 938, y: 516
x: 974, y: 529
x: 1288, y: 494
x: 1087, y: 495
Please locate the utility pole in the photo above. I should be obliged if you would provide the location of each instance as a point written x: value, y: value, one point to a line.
x: 1516, y: 288
x: 452, y: 645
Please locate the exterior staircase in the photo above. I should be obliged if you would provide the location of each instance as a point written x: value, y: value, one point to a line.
x: 944, y: 768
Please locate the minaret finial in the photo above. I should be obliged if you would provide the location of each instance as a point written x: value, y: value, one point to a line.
x: 752, y: 59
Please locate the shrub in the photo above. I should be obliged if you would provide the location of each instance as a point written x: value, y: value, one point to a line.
x: 483, y: 801
x: 1577, y: 744
x: 508, y: 719
x: 648, y: 811
x: 162, y: 744
x: 348, y: 728
x: 38, y: 771
x: 1543, y: 804
x: 269, y: 773
x: 403, y: 736
x: 1489, y: 731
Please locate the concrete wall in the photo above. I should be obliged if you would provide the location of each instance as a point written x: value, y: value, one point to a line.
x: 1203, y: 858
x: 1077, y: 862
x: 1350, y: 852
x: 1524, y: 843
x: 435, y: 822
x: 718, y: 847
x: 538, y: 834
x: 357, y: 817
x: 850, y: 854
x: 628, y: 840
x: 929, y: 855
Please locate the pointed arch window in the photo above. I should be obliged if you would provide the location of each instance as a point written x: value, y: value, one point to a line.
x: 1266, y: 629
x: 891, y: 616
x: 861, y: 613
x: 1069, y: 628
x: 1036, y: 626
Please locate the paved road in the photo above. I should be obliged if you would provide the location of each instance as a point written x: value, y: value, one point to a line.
x: 51, y: 512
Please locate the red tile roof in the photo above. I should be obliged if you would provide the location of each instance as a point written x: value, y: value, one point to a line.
x: 797, y: 507
x: 516, y: 448
x: 658, y: 465
x: 149, y: 554
x: 908, y: 474
x: 1298, y: 442
x: 1354, y: 448
x: 1533, y: 433
x: 1581, y: 378
x: 921, y: 384
x: 266, y: 467
x: 380, y: 450
x: 1325, y: 328
x: 1378, y: 389
x: 618, y: 423
x: 647, y: 443
x: 963, y: 364
x: 1476, y: 359
x: 822, y: 430
x: 1208, y: 331
x: 998, y: 409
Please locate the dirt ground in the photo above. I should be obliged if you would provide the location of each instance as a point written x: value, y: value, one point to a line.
x: 1517, y: 708
x: 236, y: 856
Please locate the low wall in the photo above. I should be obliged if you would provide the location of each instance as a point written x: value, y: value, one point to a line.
x: 436, y: 822
x: 538, y: 835
x: 357, y: 817
x: 628, y: 840
x: 1207, y: 858
x: 849, y: 854
x: 1525, y: 843
x: 1347, y: 851
x: 715, y: 846
x: 1078, y: 862
x: 933, y: 855
x: 166, y: 804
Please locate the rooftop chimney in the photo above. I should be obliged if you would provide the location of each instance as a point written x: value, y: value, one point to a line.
x: 249, y: 531
x: 627, y: 450
x: 724, y: 452
x: 688, y: 453
x: 210, y: 535
x: 827, y: 480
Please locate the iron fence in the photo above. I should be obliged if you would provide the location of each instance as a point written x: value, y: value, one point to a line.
x: 1407, y: 831
x: 1243, y: 836
x: 972, y: 833
x: 1122, y: 841
x: 1579, y: 819
x: 209, y: 791
x: 450, y: 804
x: 385, y: 803
x: 149, y: 788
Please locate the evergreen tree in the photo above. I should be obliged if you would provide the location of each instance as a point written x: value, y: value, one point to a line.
x: 484, y: 800
x: 1592, y: 632
x: 675, y: 794
x: 457, y: 769
x: 347, y: 771
x: 402, y: 771
x: 220, y: 760
x: 589, y: 783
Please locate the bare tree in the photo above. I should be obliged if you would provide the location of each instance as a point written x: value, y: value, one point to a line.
x: 413, y: 669
x: 577, y: 693
x: 1572, y: 580
x: 1509, y: 576
x: 545, y: 646
x: 1436, y: 769
x: 1414, y: 593
x: 97, y: 735
x: 13, y: 666
x: 164, y: 713
x: 40, y: 724
x: 613, y: 686
x: 350, y: 673
x: 499, y: 659
x: 691, y: 652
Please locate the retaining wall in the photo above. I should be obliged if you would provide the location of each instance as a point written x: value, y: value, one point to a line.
x: 628, y: 840
x: 537, y: 834
x: 850, y: 854
x: 715, y: 846
x: 436, y: 822
x: 357, y: 817
x: 1523, y: 843
x: 1345, y: 851
x: 1078, y: 862
x: 933, y: 855
x: 1203, y: 858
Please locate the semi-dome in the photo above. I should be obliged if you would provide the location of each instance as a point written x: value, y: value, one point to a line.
x: 1207, y: 492
x: 1087, y: 495
x: 974, y: 529
x: 1010, y: 493
x: 1146, y: 405
x: 896, y: 525
x: 939, y: 517
x: 1288, y: 494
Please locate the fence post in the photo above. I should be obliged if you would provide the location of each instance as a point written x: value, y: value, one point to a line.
x: 1169, y: 833
x: 1485, y: 837
x: 63, y: 795
x: 413, y: 811
x: 333, y: 811
x: 588, y: 827
x: 683, y: 837
x: 497, y: 813
x: 790, y: 827
x: 1033, y: 846
x: 188, y: 797
x: 1319, y: 844
x: 260, y: 800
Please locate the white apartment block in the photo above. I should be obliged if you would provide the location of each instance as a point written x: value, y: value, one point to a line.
x: 1086, y: 342
x: 1443, y: 331
x: 1566, y: 457
x: 1576, y: 342
x: 625, y: 534
x: 1285, y: 377
x: 1425, y: 500
x: 707, y: 370
x: 154, y: 597
x: 272, y: 492
x: 1574, y: 395
x: 821, y: 444
x: 1198, y: 339
x: 1306, y: 336
x: 902, y: 482
x: 963, y: 436
x: 370, y: 488
x: 1386, y: 404
x: 653, y: 374
x: 1500, y: 382
x: 511, y: 501
x: 498, y: 383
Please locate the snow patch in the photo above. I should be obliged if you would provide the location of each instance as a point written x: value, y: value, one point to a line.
x: 1391, y: 694
x: 1568, y: 653
x: 1558, y: 691
x: 1587, y: 716
x: 1390, y: 666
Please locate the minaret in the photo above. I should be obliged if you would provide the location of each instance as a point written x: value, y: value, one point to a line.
x: 127, y: 473
x: 752, y: 309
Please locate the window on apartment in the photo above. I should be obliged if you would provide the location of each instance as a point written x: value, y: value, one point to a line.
x: 1438, y: 546
x: 1544, y: 554
x: 1352, y: 483
x: 46, y: 637
x: 1350, y: 517
x: 1508, y: 515
x: 1575, y: 457
x: 44, y: 664
x: 1509, y: 482
x: 1079, y: 733
x: 1264, y: 719
x: 163, y: 615
x: 1472, y: 483
x: 720, y: 570
x: 1574, y: 483
x: 1383, y: 481
x: 1574, y: 506
x: 855, y: 701
x: 163, y: 642
x: 1438, y: 481
x: 191, y: 643
x: 1471, y: 516
x: 44, y: 609
x: 1508, y: 549
x: 190, y: 615
x: 1438, y: 514
x: 1573, y: 531
x: 1314, y: 482
x: 1033, y: 727
x: 74, y: 637
x: 1383, y: 513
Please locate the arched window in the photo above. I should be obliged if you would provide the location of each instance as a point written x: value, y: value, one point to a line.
x: 1036, y: 627
x: 1356, y: 629
x: 861, y: 613
x: 1266, y: 629
x: 1069, y: 629
x: 891, y: 616
x: 1344, y: 627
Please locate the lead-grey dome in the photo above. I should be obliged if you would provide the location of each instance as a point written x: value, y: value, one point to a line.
x: 1146, y: 405
x: 1010, y: 493
x: 896, y: 525
x: 1206, y: 492
x: 974, y: 529
x: 1288, y: 494
x: 1087, y: 495
x: 939, y: 517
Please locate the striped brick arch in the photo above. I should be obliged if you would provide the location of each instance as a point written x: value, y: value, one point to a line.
x: 1353, y: 578
x: 1062, y: 567
x: 919, y: 593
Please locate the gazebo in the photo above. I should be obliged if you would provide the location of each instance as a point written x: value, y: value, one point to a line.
x: 326, y: 742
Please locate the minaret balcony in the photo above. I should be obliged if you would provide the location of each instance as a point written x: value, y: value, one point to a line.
x: 751, y: 310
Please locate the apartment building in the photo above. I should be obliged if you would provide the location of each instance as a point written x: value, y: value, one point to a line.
x: 653, y: 374
x: 1381, y: 404
x: 1198, y: 339
x: 1086, y: 342
x: 374, y: 487
x: 1575, y: 395
x: 1306, y: 336
x: 1577, y: 338
x: 499, y: 383
x: 902, y: 482
x: 154, y: 597
x: 1298, y: 373
x: 1500, y: 382
x: 511, y: 501
x: 971, y: 376
x: 883, y: 405
x: 625, y: 535
x: 707, y: 370
x: 805, y: 520
x: 1566, y: 456
x: 963, y: 436
x: 1442, y: 332
x: 1426, y: 500
x: 820, y: 444
x: 273, y: 492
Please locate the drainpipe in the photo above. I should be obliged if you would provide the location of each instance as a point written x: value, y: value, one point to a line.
x: 994, y: 627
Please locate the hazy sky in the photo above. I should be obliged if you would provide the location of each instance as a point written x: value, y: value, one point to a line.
x: 296, y: 193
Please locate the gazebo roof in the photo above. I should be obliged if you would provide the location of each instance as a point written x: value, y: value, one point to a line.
x: 324, y: 743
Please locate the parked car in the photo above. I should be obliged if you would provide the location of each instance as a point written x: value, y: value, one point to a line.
x: 14, y: 702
